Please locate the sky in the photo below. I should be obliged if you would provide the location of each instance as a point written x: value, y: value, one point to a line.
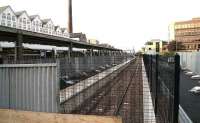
x: 125, y: 24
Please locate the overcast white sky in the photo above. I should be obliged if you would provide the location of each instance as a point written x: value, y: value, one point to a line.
x: 122, y: 23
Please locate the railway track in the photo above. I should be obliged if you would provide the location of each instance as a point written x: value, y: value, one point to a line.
x: 121, y: 96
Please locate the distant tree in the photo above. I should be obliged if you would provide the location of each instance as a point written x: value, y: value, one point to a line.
x: 175, y: 46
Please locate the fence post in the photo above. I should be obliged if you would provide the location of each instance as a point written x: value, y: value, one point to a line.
x: 148, y: 74
x: 176, y: 88
x: 151, y: 78
x: 156, y: 88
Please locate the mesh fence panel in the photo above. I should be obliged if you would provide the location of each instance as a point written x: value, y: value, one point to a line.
x: 163, y: 76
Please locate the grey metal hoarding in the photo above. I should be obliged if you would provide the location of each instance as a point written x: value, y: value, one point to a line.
x: 29, y: 87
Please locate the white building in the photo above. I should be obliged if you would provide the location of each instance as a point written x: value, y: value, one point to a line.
x: 23, y: 20
x: 48, y: 26
x: 57, y: 31
x: 7, y: 17
x: 36, y: 23
x: 65, y: 32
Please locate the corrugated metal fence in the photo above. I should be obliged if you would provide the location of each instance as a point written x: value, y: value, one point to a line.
x: 29, y: 87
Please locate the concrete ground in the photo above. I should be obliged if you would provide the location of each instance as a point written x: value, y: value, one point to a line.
x: 189, y: 102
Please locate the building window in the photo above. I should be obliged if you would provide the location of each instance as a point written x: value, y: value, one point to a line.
x: 14, y: 24
x: 149, y: 43
x: 33, y: 28
x: 198, y: 46
x: 45, y: 29
x: 4, y: 16
x: 29, y: 25
x: 8, y: 16
x: 37, y: 24
x: 20, y: 26
x: 20, y: 20
x: 3, y: 22
x: 28, y: 22
x: 24, y: 23
x: 37, y: 30
x: 40, y: 28
x: 24, y: 20
x: 9, y: 23
x: 13, y: 18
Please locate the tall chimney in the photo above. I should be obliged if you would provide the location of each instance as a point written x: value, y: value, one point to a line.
x: 70, y: 23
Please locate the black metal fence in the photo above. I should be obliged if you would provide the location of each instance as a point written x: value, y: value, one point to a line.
x: 163, y: 74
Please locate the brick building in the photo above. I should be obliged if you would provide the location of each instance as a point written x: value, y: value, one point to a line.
x: 186, y: 32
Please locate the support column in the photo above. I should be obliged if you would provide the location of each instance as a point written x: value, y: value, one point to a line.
x: 110, y: 53
x: 70, y: 50
x: 84, y: 52
x: 99, y: 52
x: 19, y: 47
x: 114, y: 53
x: 106, y: 52
x: 120, y: 53
x: 53, y: 54
x: 91, y: 52
x: 102, y: 52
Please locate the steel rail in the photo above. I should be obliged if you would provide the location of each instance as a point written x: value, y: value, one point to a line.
x: 125, y: 92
